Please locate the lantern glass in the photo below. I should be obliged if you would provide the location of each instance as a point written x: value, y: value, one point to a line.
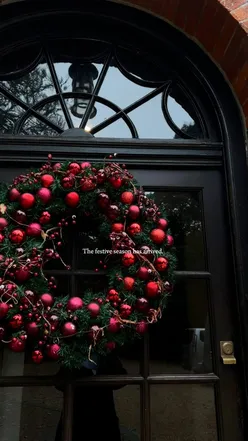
x: 83, y: 76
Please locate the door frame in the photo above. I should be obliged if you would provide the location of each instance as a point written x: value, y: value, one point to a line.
x: 228, y: 155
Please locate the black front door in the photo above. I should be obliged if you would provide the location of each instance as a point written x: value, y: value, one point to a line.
x: 178, y: 387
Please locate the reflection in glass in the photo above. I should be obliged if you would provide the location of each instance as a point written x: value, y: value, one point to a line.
x: 127, y: 405
x: 29, y: 414
x: 184, y: 211
x: 9, y: 115
x: 180, y: 341
x: 183, y: 412
x: 33, y: 126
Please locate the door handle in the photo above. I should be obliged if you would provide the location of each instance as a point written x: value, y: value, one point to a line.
x: 227, y: 352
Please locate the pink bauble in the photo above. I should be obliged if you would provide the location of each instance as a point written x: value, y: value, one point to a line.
x: 170, y: 240
x: 47, y: 299
x: 133, y: 212
x: 68, y: 329
x: 74, y: 303
x: 142, y: 327
x: 142, y: 305
x: 27, y: 200
x: 85, y: 165
x: 94, y: 309
x: 163, y: 224
x: 17, y: 345
x: 3, y: 223
x: 114, y: 325
x: 32, y: 329
x: 44, y: 195
x: 53, y: 351
x: 34, y: 229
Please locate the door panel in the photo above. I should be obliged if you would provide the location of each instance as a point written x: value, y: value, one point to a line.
x: 184, y: 346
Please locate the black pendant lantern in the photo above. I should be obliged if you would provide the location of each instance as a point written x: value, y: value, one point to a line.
x: 83, y: 76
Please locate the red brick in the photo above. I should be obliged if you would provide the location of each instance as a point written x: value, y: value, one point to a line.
x: 208, y: 32
x: 181, y: 14
x: 195, y: 10
x: 241, y: 13
x: 225, y: 37
x: 232, y: 4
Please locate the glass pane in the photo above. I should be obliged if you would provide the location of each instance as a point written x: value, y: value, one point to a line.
x: 89, y: 248
x: 118, y: 129
x: 184, y: 211
x: 127, y: 405
x: 32, y: 87
x: 183, y: 412
x: 35, y: 127
x: 182, y: 113
x: 29, y: 414
x: 121, y: 91
x: 9, y: 115
x: 180, y: 341
x: 149, y: 120
x: 54, y: 113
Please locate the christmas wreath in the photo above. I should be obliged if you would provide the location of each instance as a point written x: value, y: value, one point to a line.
x: 35, y: 210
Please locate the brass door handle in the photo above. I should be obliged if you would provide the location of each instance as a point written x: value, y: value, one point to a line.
x: 227, y: 352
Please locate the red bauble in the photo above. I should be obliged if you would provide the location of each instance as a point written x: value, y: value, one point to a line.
x: 14, y: 195
x: 20, y: 217
x: 125, y: 310
x: 72, y: 199
x: 142, y: 327
x: 87, y: 184
x: 113, y: 212
x: 85, y: 165
x: 74, y: 303
x: 2, y: 237
x: 22, y: 275
x: 161, y: 264
x: 17, y: 345
x: 34, y: 229
x: 170, y: 240
x: 113, y: 295
x: 47, y: 180
x: 53, y: 351
x: 74, y: 168
x: 94, y: 309
x: 146, y: 252
x: 17, y: 236
x: 128, y: 283
x: 114, y: 325
x: 68, y: 181
x: 128, y: 259
x: 45, y: 218
x: 4, y: 308
x: 143, y: 273
x: 134, y: 229
x: 3, y: 223
x: 16, y: 321
x: 47, y: 299
x: 142, y: 305
x: 68, y: 329
x: 162, y: 224
x: 44, y: 195
x: 37, y: 356
x: 32, y: 329
x: 157, y: 236
x: 117, y: 228
x: 133, y: 212
x: 127, y: 197
x: 95, y: 333
x: 110, y: 345
x: 27, y: 200
x: 152, y: 289
x: 103, y: 201
x: 116, y: 182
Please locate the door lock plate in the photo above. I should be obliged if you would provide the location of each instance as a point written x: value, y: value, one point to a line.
x: 227, y: 352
